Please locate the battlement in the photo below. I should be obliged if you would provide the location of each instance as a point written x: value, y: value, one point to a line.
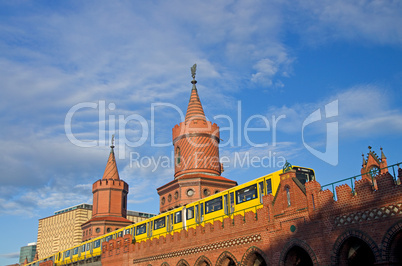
x: 195, y: 127
x: 108, y: 184
x: 279, y: 220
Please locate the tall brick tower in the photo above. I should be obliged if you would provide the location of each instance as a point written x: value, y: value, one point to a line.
x: 109, y: 209
x: 197, y: 167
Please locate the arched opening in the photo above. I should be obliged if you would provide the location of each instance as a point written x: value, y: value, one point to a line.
x: 226, y: 259
x: 297, y: 256
x: 355, y: 251
x: 182, y: 262
x: 256, y: 260
x: 203, y: 261
x: 395, y: 254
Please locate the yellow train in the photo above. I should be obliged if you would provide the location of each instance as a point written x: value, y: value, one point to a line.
x: 236, y: 200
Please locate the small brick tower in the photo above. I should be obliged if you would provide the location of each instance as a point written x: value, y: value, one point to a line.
x: 109, y: 209
x: 197, y: 167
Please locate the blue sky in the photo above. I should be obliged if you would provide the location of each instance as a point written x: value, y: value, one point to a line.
x: 256, y: 59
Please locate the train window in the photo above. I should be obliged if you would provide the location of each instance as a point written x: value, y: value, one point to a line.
x: 177, y: 217
x: 159, y: 223
x: 67, y: 254
x: 213, y: 205
x: 190, y: 213
x: 141, y: 229
x: 83, y: 248
x: 75, y: 251
x: 127, y: 231
x: 108, y: 238
x: 269, y: 186
x: 88, y: 246
x: 246, y: 194
x: 120, y: 234
x: 97, y: 243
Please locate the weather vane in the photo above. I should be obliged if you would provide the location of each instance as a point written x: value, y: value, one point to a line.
x: 193, y: 69
x: 113, y: 140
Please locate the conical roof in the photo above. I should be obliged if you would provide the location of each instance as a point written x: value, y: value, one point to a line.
x: 111, y: 167
x: 194, y: 109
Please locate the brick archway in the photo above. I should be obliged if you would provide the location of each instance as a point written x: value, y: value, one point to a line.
x: 251, y: 255
x: 203, y: 261
x: 182, y: 262
x: 297, y: 243
x: 226, y: 259
x: 388, y: 238
x: 354, y: 234
x: 165, y: 264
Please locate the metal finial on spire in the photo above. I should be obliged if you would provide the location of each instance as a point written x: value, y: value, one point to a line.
x: 369, y: 148
x: 193, y: 70
x: 112, y: 142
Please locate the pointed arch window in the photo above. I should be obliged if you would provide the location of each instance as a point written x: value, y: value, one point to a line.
x: 288, y: 195
x: 178, y: 156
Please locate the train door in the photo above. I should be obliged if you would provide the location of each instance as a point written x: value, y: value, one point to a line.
x: 170, y: 222
x: 261, y: 190
x: 184, y: 218
x: 226, y: 204
x: 149, y: 228
x: 232, y: 203
x: 199, y: 213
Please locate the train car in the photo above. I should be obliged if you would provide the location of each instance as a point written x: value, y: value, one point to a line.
x: 233, y: 201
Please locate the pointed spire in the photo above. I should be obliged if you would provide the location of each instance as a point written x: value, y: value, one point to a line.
x: 382, y: 154
x: 194, y: 109
x: 25, y: 261
x: 364, y: 160
x: 111, y: 167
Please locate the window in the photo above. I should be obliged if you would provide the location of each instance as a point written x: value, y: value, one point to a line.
x: 246, y: 194
x: 163, y: 200
x: 190, y: 192
x: 88, y: 246
x: 159, y: 223
x: 108, y: 230
x: 176, y: 195
x: 108, y: 238
x: 207, y: 192
x: 83, y: 248
x: 213, y: 205
x: 288, y: 195
x: 190, y: 213
x: 269, y: 186
x: 217, y: 191
x: 177, y: 217
x: 127, y: 231
x: 97, y: 243
x: 75, y: 251
x: 97, y: 230
x: 67, y: 254
x: 170, y: 198
x: 178, y: 156
x: 141, y: 229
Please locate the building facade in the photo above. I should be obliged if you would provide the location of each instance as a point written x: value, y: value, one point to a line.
x: 28, y: 252
x: 63, y: 229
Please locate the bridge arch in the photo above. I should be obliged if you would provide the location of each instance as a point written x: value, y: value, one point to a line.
x: 203, y: 261
x: 355, y: 247
x: 182, y: 262
x: 392, y: 243
x: 254, y: 257
x: 226, y: 259
x: 297, y: 252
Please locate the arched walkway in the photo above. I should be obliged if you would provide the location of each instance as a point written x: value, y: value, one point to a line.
x: 226, y: 259
x: 203, y: 261
x: 254, y: 257
x: 297, y: 252
x: 392, y: 244
x: 182, y: 262
x: 297, y: 256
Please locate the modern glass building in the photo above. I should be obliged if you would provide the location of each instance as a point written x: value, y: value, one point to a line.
x: 28, y: 252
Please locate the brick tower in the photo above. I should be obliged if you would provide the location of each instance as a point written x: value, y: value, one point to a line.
x: 109, y: 210
x: 197, y: 167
